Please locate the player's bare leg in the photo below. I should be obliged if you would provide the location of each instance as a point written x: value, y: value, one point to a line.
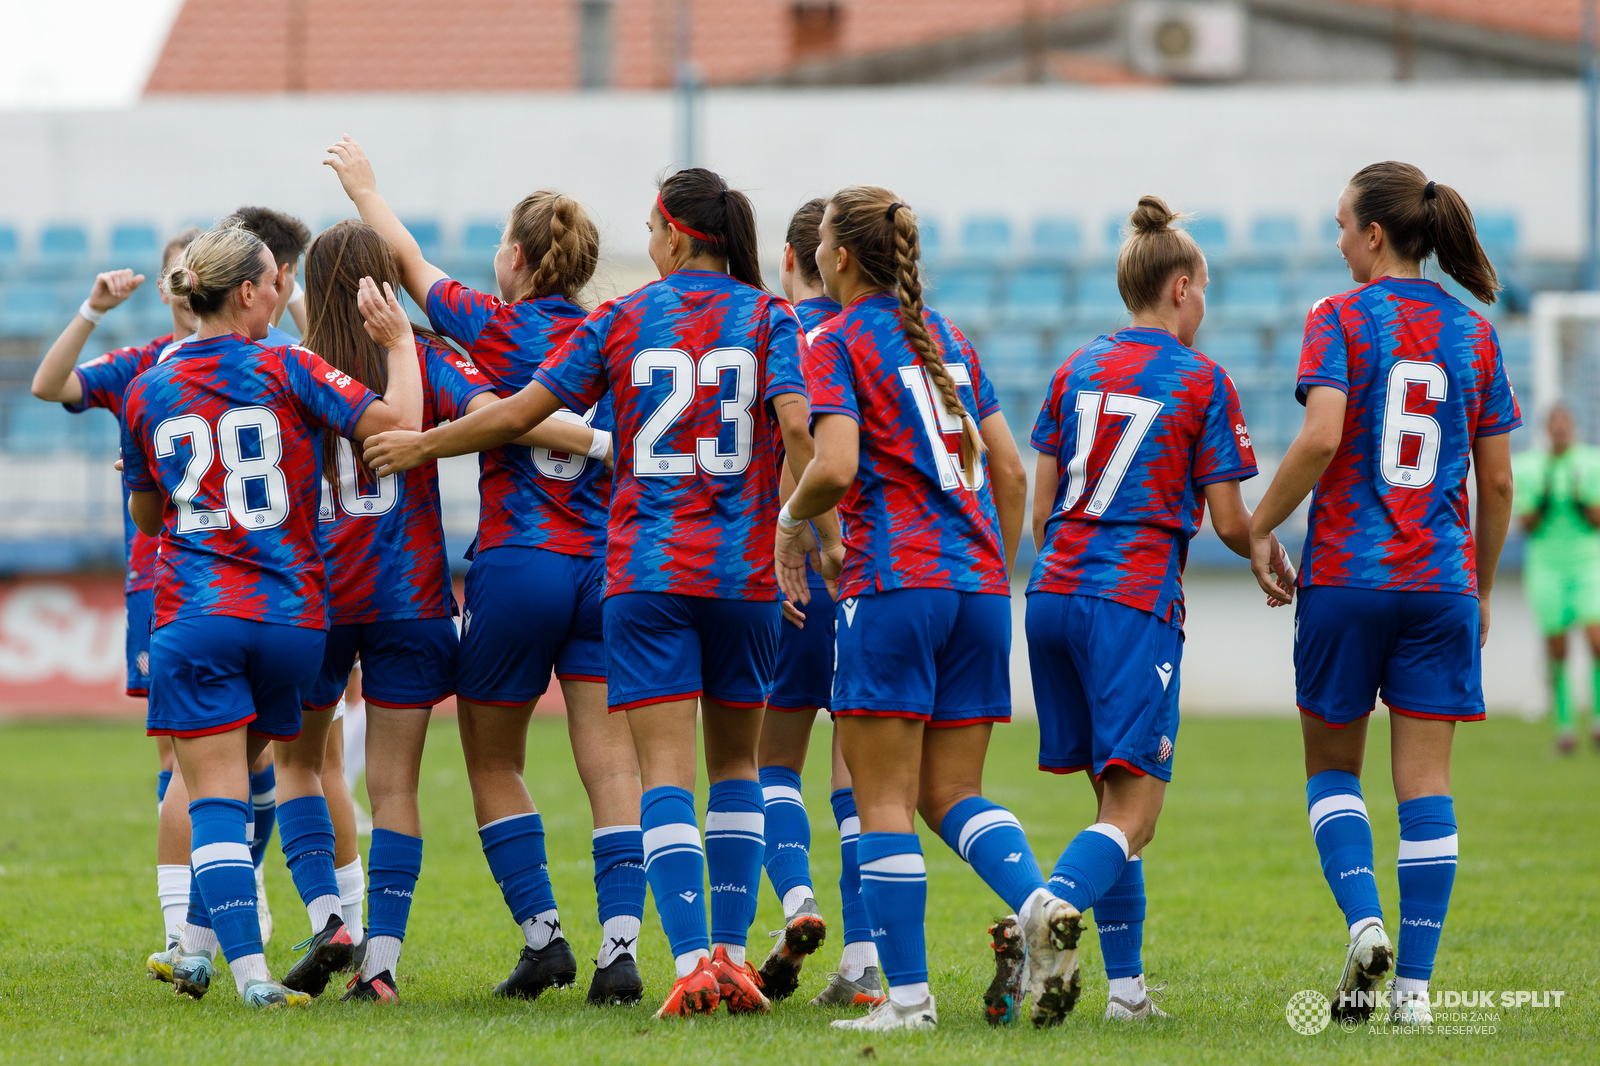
x: 347, y: 869
x: 781, y: 756
x: 1561, y: 712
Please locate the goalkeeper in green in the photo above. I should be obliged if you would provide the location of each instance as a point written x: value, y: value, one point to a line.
x: 1558, y: 503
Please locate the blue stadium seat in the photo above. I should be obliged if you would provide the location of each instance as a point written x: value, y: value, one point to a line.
x: 1252, y: 294
x: 1011, y: 359
x: 1516, y: 348
x: 1237, y: 349
x: 1116, y: 227
x: 29, y: 309
x: 1067, y: 342
x: 930, y: 238
x: 144, y: 314
x: 964, y: 294
x: 1034, y: 296
x: 10, y: 250
x: 1099, y: 305
x: 1312, y: 285
x: 1497, y: 232
x: 987, y: 237
x: 35, y: 428
x: 480, y: 240
x: 1211, y: 234
x: 429, y: 236
x: 63, y: 249
x: 1275, y: 235
x: 1327, y: 238
x: 135, y: 246
x: 98, y: 432
x: 1059, y: 239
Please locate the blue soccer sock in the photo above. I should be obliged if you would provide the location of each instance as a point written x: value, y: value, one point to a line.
x: 163, y: 781
x: 224, y: 875
x: 1427, y: 873
x: 990, y: 838
x: 514, y: 847
x: 1344, y: 841
x: 396, y: 863
x: 675, y: 865
x: 264, y: 802
x: 856, y: 929
x: 619, y: 889
x: 1091, y: 864
x: 735, y: 842
x: 894, y: 887
x: 1119, y: 918
x: 788, y: 833
x: 306, y: 833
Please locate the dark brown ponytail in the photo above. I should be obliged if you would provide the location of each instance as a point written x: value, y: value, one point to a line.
x: 1422, y: 218
x: 804, y: 236
x: 699, y: 199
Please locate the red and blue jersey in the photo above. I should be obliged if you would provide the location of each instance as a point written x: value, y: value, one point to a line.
x: 383, y: 542
x: 1139, y: 424
x: 815, y: 311
x: 104, y: 381
x: 910, y: 520
x: 1423, y: 379
x: 690, y: 362
x: 527, y: 496
x: 231, y: 432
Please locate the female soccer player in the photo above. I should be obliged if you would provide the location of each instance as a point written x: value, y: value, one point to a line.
x: 541, y: 533
x: 1404, y: 389
x: 388, y: 578
x: 929, y: 545
x: 102, y: 382
x: 699, y: 366
x: 221, y: 450
x: 1138, y: 435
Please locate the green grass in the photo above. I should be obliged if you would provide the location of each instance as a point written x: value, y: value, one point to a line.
x: 1239, y: 918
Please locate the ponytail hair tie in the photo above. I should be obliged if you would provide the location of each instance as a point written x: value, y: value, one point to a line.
x: 194, y: 282
x: 893, y: 208
x: 1428, y: 192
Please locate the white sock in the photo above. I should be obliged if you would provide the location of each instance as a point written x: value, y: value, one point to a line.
x: 1025, y: 911
x: 1355, y: 930
x: 354, y: 723
x: 909, y: 995
x: 250, y: 968
x: 856, y: 957
x: 735, y: 952
x: 542, y: 928
x: 618, y: 935
x: 686, y: 962
x: 320, y: 910
x: 352, y: 891
x: 197, y: 938
x: 383, y: 953
x: 1128, y: 989
x: 172, y: 889
x: 1411, y: 986
x: 793, y: 898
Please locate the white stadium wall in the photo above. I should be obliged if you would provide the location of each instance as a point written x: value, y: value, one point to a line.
x: 1229, y: 152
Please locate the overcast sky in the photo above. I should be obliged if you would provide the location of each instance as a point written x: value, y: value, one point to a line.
x: 79, y: 53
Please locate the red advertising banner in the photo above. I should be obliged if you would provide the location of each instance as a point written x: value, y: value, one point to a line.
x: 62, y: 650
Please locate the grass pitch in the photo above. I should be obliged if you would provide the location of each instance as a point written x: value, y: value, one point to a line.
x: 1239, y: 920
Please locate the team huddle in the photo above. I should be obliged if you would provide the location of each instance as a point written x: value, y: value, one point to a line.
x: 710, y: 512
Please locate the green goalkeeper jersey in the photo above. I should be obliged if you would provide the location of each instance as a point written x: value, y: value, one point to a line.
x: 1560, y: 485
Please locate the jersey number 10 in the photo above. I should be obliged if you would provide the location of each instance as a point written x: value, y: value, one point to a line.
x: 351, y: 499
x: 254, y: 489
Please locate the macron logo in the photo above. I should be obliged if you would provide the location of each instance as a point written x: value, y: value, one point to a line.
x: 850, y: 606
x: 688, y: 897
x: 1165, y: 672
x: 1015, y: 856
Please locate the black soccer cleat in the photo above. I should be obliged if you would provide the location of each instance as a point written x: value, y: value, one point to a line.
x: 378, y: 990
x: 618, y: 984
x: 327, y: 953
x: 553, y: 966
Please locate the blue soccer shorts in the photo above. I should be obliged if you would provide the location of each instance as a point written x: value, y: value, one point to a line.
x: 1105, y: 680
x: 1417, y: 651
x: 405, y: 663
x: 140, y: 606
x: 662, y: 646
x: 937, y: 655
x: 804, y: 677
x: 529, y: 611
x: 214, y: 673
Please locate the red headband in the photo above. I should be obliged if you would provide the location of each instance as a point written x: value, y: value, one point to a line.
x: 696, y: 234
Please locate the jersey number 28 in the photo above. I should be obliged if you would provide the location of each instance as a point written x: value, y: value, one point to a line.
x: 254, y: 489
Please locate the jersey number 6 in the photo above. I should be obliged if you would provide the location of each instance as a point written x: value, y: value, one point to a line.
x: 1416, y: 470
x: 254, y: 489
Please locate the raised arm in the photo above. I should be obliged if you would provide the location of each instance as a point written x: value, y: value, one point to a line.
x: 360, y: 184
x: 54, y: 381
x: 490, y: 426
x: 1491, y: 465
x: 386, y: 323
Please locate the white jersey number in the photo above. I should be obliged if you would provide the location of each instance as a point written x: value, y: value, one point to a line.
x: 254, y: 488
x: 938, y: 421
x: 1398, y: 423
x: 1141, y: 413
x: 568, y: 467
x: 683, y: 377
x: 377, y: 501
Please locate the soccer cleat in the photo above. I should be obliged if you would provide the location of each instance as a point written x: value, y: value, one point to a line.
x: 1409, y: 1008
x: 552, y: 966
x: 191, y: 973
x: 696, y: 992
x: 1051, y: 944
x: 799, y: 937
x: 740, y: 986
x: 268, y: 994
x: 327, y: 953
x: 378, y: 990
x: 358, y: 955
x: 889, y: 1015
x: 1369, y: 958
x: 841, y: 991
x: 263, y: 912
x: 1123, y: 1010
x: 1002, y: 1001
x: 159, y: 965
x: 618, y: 984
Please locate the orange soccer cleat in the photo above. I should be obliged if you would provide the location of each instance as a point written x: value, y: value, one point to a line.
x: 740, y: 985
x: 696, y: 992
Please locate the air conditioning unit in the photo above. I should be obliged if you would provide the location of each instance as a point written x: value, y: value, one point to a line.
x: 1187, y: 39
